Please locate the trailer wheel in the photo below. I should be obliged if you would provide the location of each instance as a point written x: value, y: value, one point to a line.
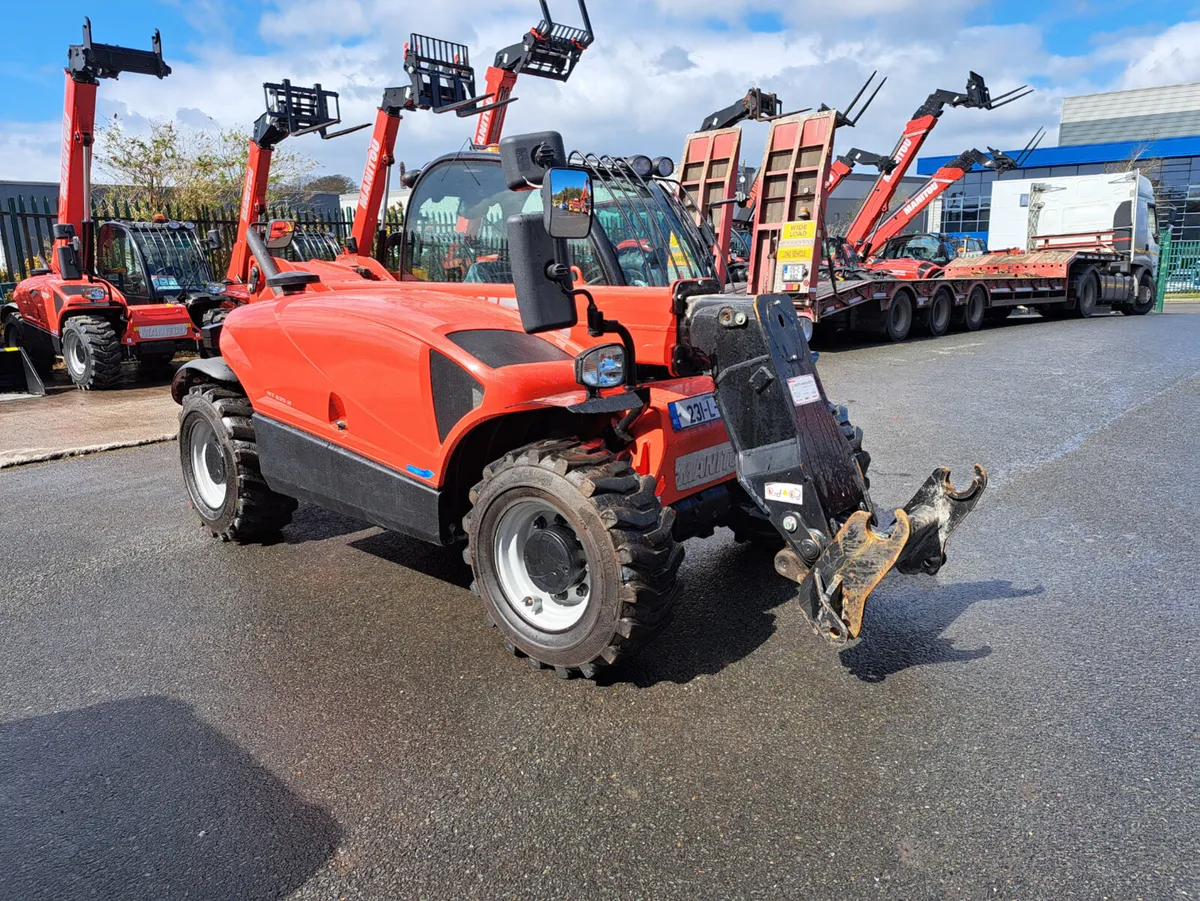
x: 572, y: 554
x: 1087, y: 292
x: 91, y: 351
x: 220, y: 467
x: 974, y: 310
x: 940, y: 310
x: 1145, y: 298
x: 898, y: 318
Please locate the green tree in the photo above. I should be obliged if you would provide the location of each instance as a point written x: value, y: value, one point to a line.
x: 330, y: 184
x: 190, y: 167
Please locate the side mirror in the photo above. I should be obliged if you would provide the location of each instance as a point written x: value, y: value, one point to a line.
x: 212, y: 241
x: 567, y: 203
x: 279, y: 234
x: 541, y: 280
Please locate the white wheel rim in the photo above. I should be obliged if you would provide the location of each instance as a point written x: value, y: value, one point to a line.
x: 76, y: 356
x: 208, y: 465
x: 532, y: 604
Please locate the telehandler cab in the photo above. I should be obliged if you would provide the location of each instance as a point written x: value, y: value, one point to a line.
x: 571, y: 465
x: 126, y: 298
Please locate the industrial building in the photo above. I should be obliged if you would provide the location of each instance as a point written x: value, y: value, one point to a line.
x: 1154, y: 129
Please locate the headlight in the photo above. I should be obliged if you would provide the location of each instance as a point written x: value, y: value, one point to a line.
x: 641, y: 165
x: 664, y: 166
x: 806, y: 326
x: 95, y: 294
x: 215, y: 288
x: 601, y: 367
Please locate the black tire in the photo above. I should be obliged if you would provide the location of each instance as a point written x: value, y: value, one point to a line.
x: 91, y: 351
x: 43, y: 364
x: 1145, y: 297
x: 973, y: 311
x: 630, y: 559
x: 941, y: 309
x: 897, y: 319
x: 248, y: 509
x: 1087, y: 294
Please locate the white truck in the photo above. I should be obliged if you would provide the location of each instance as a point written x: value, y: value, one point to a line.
x: 1108, y: 211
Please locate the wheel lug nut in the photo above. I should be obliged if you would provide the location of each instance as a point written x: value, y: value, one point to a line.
x: 528, y: 602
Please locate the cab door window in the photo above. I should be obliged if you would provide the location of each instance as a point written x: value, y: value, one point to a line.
x: 120, y: 264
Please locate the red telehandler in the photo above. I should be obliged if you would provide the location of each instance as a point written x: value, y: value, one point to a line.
x: 571, y: 424
x: 885, y: 251
x: 441, y: 81
x: 919, y: 127
x: 549, y: 50
x: 127, y: 298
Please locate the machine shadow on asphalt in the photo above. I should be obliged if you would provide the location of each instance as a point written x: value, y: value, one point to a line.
x: 916, y: 639
x: 140, y: 799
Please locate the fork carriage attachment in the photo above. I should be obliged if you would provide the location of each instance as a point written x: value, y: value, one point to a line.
x: 800, y: 470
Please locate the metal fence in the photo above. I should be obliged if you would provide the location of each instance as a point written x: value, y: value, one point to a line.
x: 1178, y: 268
x: 26, y: 235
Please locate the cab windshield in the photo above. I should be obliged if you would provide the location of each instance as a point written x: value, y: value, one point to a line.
x: 175, y: 262
x: 455, y: 232
x: 927, y: 248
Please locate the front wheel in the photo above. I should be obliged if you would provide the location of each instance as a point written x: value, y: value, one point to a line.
x: 220, y: 468
x: 1144, y: 298
x: 572, y: 554
x: 91, y: 351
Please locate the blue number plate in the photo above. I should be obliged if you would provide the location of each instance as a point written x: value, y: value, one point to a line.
x: 693, y: 412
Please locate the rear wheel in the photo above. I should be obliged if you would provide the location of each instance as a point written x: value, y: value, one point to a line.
x: 898, y: 319
x: 91, y: 351
x: 1146, y: 294
x: 572, y: 554
x: 220, y: 468
x: 974, y: 309
x: 1087, y: 292
x: 940, y: 310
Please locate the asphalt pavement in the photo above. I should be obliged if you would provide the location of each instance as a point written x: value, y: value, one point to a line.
x: 329, y: 718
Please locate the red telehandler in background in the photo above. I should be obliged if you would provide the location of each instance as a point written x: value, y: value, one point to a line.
x: 126, y: 301
x: 885, y: 250
x: 291, y: 111
x: 441, y: 81
x: 919, y: 127
x: 549, y: 50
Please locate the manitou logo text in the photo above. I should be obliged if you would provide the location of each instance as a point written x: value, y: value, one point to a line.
x: 64, y: 177
x: 247, y: 196
x: 917, y: 200
x: 364, y: 193
x: 901, y: 155
x: 485, y: 124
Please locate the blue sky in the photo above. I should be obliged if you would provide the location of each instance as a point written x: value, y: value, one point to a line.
x: 657, y: 67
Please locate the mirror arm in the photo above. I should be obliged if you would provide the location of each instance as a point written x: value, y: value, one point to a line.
x: 597, y: 326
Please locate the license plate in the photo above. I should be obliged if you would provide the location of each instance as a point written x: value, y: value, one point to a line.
x: 704, y: 466
x: 162, y: 331
x: 693, y: 412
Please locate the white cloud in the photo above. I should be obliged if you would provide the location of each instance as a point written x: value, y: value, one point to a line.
x: 633, y: 90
